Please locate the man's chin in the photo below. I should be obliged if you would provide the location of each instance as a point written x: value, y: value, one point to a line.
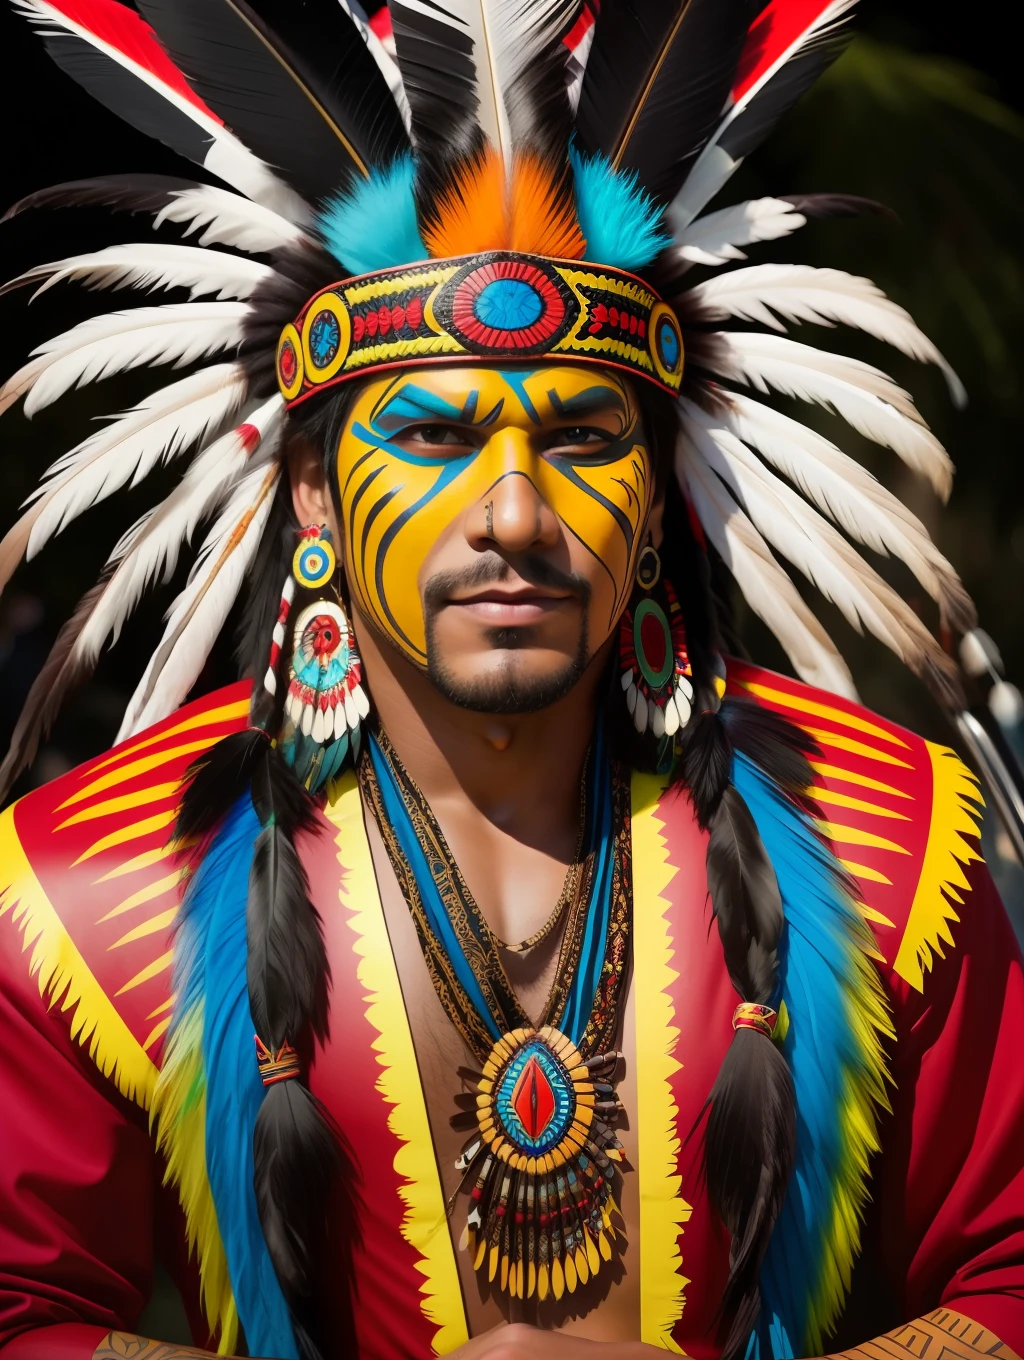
x: 511, y: 682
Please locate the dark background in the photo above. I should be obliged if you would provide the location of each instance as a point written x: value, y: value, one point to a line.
x: 922, y: 112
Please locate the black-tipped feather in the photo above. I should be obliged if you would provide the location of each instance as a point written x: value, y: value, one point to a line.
x: 657, y: 78
x: 127, y: 193
x: 748, y: 129
x: 320, y: 119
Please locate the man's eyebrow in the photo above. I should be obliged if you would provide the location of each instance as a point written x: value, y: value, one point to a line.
x: 589, y: 400
x: 414, y: 402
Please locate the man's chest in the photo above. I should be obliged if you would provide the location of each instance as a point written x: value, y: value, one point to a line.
x: 391, y: 1075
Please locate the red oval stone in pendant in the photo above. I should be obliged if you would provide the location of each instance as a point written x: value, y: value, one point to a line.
x: 533, y: 1099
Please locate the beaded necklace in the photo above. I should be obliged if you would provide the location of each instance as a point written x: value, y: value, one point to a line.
x: 541, y: 1158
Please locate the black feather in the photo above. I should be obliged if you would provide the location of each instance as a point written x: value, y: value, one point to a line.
x: 288, y: 974
x: 657, y: 77
x: 706, y: 764
x: 438, y: 70
x: 128, y: 193
x: 741, y: 875
x: 126, y: 95
x: 834, y: 206
x: 783, y: 750
x: 215, y: 781
x: 749, y: 1149
x: 319, y: 116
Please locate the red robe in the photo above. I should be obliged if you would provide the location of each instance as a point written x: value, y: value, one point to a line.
x: 88, y: 895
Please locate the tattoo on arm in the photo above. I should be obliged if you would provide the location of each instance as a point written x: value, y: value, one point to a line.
x: 122, y: 1346
x: 942, y: 1335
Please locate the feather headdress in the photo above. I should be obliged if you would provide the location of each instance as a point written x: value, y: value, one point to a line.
x: 528, y: 134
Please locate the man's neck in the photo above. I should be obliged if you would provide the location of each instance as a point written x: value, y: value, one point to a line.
x: 521, y: 772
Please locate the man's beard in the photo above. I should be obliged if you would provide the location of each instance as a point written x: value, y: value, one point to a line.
x: 505, y: 690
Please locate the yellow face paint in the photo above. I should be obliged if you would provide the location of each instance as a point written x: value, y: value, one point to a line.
x: 435, y: 465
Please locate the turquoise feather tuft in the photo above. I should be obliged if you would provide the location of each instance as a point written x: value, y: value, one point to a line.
x: 837, y: 1019
x: 375, y: 225
x: 621, y: 224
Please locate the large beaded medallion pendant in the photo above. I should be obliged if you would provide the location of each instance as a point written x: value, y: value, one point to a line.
x: 543, y: 1164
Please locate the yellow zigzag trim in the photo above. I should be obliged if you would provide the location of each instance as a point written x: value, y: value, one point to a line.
x: 426, y: 1223
x: 862, y: 1094
x: 63, y: 975
x: 179, y: 1118
x: 663, y: 1210
x: 955, y: 801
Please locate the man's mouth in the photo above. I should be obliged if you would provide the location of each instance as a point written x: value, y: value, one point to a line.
x: 508, y: 607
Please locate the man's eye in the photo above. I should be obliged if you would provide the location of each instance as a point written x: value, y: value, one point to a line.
x: 435, y: 435
x: 578, y: 436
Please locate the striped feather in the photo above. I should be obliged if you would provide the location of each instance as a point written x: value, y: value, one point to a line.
x: 863, y: 395
x: 765, y: 585
x: 152, y: 267
x: 198, y: 614
x: 177, y: 333
x: 822, y: 296
x: 114, y: 55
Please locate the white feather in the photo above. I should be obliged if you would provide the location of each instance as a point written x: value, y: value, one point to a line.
x: 386, y: 63
x: 198, y: 614
x: 154, y: 267
x: 226, y: 157
x: 228, y: 219
x: 797, y: 531
x: 177, y: 333
x: 864, y: 396
x: 822, y: 296
x: 718, y: 236
x: 149, y: 550
x: 158, y: 429
x: 848, y: 494
x: 714, y: 166
x: 765, y: 585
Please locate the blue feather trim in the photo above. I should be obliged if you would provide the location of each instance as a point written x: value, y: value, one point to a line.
x: 375, y: 226
x: 833, y: 1002
x: 211, y: 964
x: 621, y: 224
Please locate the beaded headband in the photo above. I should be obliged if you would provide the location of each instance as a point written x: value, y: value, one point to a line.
x: 496, y: 306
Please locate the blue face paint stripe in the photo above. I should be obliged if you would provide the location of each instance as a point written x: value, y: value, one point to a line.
x: 517, y: 380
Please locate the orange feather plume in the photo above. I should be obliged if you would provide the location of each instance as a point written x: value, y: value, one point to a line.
x: 485, y: 210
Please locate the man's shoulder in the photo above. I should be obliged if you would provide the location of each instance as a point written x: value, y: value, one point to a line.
x: 88, y: 878
x: 903, y: 815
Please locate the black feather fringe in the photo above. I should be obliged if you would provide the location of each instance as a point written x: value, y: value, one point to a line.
x: 127, y: 193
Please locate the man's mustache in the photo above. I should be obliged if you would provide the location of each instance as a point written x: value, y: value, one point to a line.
x: 492, y: 569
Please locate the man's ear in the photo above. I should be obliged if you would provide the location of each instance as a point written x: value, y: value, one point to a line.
x: 311, y: 497
x: 655, y: 520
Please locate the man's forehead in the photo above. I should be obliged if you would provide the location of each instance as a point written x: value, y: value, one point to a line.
x: 478, y: 394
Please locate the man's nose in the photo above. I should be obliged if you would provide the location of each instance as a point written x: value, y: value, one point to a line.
x: 512, y: 515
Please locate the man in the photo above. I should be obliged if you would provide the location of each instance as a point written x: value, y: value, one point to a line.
x: 498, y: 971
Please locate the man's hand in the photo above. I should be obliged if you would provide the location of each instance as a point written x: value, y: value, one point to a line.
x: 518, y: 1341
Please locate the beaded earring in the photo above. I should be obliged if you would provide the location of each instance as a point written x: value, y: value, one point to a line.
x: 325, y: 703
x: 653, y: 661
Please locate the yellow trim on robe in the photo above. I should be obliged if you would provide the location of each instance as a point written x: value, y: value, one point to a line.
x: 63, y: 974
x: 954, y: 791
x: 663, y: 1210
x: 426, y: 1223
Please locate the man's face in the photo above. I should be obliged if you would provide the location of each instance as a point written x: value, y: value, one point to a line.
x: 491, y: 520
